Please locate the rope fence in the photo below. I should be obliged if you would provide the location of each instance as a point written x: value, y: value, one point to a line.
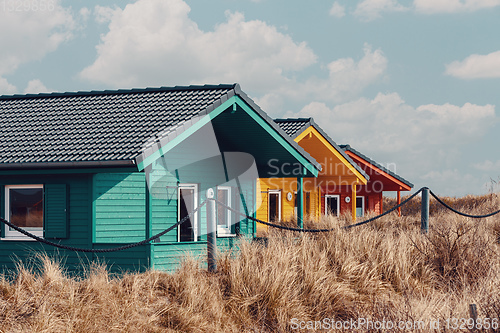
x: 460, y: 213
x: 316, y: 230
x: 282, y: 227
x: 114, y: 249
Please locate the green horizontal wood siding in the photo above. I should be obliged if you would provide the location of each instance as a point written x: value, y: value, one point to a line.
x: 169, y: 256
x: 227, y: 243
x: 133, y: 260
x: 168, y: 253
x: 79, y: 219
x: 163, y: 201
x: 119, y: 207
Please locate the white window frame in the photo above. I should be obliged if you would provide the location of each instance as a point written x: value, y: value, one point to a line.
x: 362, y: 206
x: 225, y: 230
x: 13, y: 234
x: 195, y: 215
x: 278, y: 192
x: 338, y: 202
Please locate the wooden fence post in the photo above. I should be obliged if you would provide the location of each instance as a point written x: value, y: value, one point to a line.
x: 424, y: 222
x: 473, y: 314
x: 211, y: 231
x: 300, y: 202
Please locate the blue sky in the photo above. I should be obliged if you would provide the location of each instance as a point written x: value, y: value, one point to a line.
x: 411, y: 84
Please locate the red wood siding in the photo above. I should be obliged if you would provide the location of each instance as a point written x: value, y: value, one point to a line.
x: 373, y: 201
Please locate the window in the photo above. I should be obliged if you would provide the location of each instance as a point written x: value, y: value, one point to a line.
x: 224, y: 215
x: 274, y: 205
x: 187, y: 201
x: 306, y: 204
x: 332, y: 205
x: 24, y: 208
x: 360, y: 206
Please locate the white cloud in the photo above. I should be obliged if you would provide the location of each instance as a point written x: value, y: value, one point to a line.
x: 337, y: 10
x: 453, y: 6
x: 346, y: 79
x: 476, y: 66
x: 105, y: 14
x: 272, y: 102
x: 386, y: 123
x: 368, y: 10
x: 488, y: 166
x: 32, y: 34
x: 6, y: 88
x: 159, y: 44
x: 84, y: 13
x: 453, y: 180
x: 35, y: 86
x: 422, y: 139
x: 466, y: 121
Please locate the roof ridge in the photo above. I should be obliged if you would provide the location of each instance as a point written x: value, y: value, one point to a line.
x: 120, y: 91
x: 308, y: 122
x: 375, y: 163
x: 292, y: 119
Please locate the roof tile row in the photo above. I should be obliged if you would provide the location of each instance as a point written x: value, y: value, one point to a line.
x: 96, y: 126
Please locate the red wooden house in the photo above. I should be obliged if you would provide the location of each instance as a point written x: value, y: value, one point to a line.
x: 368, y: 197
x: 349, y: 181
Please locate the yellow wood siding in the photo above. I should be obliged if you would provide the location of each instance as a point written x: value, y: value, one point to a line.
x: 336, y: 171
x: 287, y: 185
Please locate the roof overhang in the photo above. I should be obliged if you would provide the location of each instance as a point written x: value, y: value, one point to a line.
x: 67, y: 165
x: 335, y: 162
x: 239, y: 126
x: 390, y: 181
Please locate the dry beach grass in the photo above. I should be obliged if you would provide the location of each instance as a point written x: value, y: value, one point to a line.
x: 384, y: 271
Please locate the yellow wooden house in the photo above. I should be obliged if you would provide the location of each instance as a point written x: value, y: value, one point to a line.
x: 292, y: 199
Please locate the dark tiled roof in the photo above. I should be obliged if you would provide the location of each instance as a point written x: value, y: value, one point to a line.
x: 369, y: 160
x: 294, y: 126
x: 97, y: 125
x: 105, y: 128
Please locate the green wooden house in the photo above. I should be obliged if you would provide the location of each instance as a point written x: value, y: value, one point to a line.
x: 101, y: 169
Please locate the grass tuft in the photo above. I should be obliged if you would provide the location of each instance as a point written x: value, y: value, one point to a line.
x: 386, y: 270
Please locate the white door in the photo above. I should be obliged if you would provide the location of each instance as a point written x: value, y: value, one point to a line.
x: 332, y: 204
x: 187, y: 201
